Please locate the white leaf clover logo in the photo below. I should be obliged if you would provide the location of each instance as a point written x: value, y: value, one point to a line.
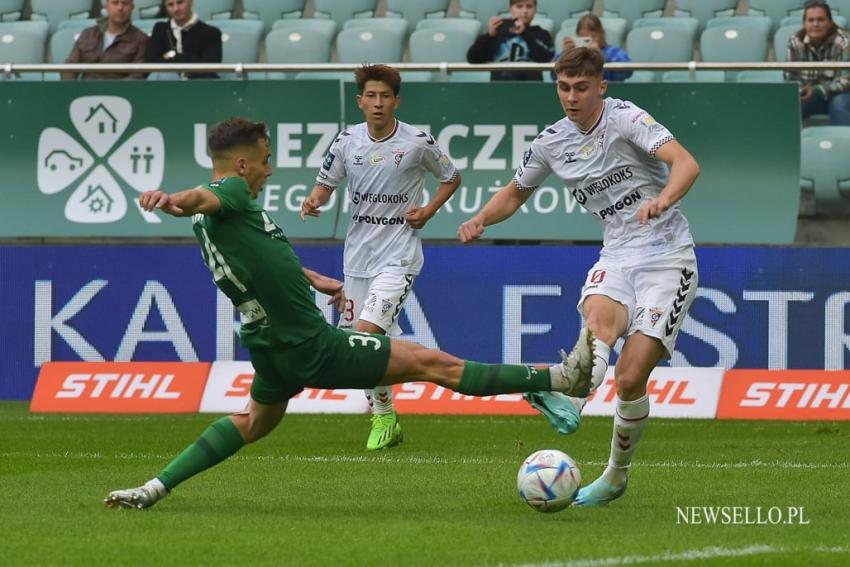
x: 99, y: 198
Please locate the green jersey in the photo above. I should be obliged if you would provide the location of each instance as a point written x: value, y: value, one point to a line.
x: 254, y: 265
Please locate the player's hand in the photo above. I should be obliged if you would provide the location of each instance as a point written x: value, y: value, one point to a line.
x: 806, y: 93
x: 310, y: 207
x: 331, y: 287
x: 156, y: 199
x: 417, y: 217
x: 651, y: 209
x: 472, y: 229
x: 493, y: 25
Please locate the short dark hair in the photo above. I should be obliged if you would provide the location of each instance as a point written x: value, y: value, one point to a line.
x: 383, y: 73
x: 235, y: 132
x: 580, y: 61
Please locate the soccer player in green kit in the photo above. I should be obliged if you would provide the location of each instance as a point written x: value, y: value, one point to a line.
x: 290, y: 344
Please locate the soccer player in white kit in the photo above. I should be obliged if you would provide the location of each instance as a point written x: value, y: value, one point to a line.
x: 385, y: 161
x: 630, y: 173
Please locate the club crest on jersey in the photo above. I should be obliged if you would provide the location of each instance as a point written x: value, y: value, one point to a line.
x: 386, y: 304
x: 397, y: 155
x: 358, y: 160
x: 654, y: 315
x: 377, y: 159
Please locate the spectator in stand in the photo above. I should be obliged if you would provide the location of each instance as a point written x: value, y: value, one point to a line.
x: 113, y: 40
x: 514, y: 40
x: 184, y: 39
x: 820, y: 39
x: 590, y: 33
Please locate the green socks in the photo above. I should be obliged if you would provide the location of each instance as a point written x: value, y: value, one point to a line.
x: 490, y: 379
x: 220, y: 440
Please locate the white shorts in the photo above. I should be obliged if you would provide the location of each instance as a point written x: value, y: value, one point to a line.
x: 377, y: 300
x: 657, y: 290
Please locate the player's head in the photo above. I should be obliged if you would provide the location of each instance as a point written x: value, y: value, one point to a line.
x: 378, y: 86
x: 523, y: 10
x: 241, y: 147
x: 817, y: 21
x: 581, y: 86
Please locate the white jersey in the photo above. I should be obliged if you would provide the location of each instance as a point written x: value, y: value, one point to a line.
x: 385, y: 179
x: 611, y: 170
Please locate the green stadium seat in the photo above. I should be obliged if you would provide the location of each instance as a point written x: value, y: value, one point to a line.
x: 776, y: 10
x: 698, y: 76
x: 704, y: 10
x: 390, y: 25
x: 761, y: 23
x: 22, y: 42
x: 270, y: 11
x: 689, y: 24
x: 141, y: 9
x: 54, y: 11
x: 415, y: 10
x: 213, y: 9
x: 469, y: 77
x: 780, y: 41
x: 733, y: 43
x: 39, y: 27
x: 755, y: 76
x: 342, y: 10
x: 326, y: 28
x: 461, y: 24
x: 368, y: 46
x: 824, y: 166
x: 61, y: 43
x: 643, y: 77
x: 632, y: 10
x: 615, y: 30
x: 296, y: 45
x: 840, y: 7
x: 435, y: 45
x: 240, y: 41
x: 560, y: 10
x: 345, y: 76
x: 547, y: 24
x: 77, y: 25
x: 11, y: 10
x: 659, y: 45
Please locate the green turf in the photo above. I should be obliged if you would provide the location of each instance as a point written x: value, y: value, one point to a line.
x: 309, y: 494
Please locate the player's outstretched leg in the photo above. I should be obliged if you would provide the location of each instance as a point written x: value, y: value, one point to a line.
x: 629, y: 422
x: 563, y: 411
x: 386, y: 430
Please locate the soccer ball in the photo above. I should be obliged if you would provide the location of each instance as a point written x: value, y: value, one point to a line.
x: 548, y: 480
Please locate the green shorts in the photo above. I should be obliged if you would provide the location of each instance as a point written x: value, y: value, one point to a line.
x: 335, y: 358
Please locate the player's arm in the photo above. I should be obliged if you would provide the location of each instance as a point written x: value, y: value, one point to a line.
x: 182, y: 204
x: 501, y: 206
x: 684, y: 170
x: 318, y: 197
x: 418, y: 216
x: 328, y: 286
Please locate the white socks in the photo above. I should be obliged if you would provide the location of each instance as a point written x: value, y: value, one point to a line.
x: 380, y: 399
x: 629, y: 421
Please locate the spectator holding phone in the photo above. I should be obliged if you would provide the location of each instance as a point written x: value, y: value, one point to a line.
x: 513, y: 39
x: 590, y: 33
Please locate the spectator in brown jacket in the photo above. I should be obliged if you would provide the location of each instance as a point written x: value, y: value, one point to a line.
x: 113, y: 40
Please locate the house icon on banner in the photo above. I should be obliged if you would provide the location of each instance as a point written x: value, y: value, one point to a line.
x: 106, y: 120
x: 97, y: 199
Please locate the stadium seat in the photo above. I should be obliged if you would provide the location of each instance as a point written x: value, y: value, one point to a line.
x: 270, y: 11
x: 297, y: 46
x: 415, y: 10
x: 780, y: 41
x: 39, y: 27
x: 141, y: 9
x: 659, y: 45
x: 61, y: 43
x: 368, y: 46
x: 797, y: 21
x: 342, y: 10
x: 148, y: 24
x: 615, y: 30
x: 434, y: 46
x: 240, y: 41
x: 761, y: 23
x: 54, y: 11
x: 643, y: 77
x: 839, y: 7
x: 469, y: 77
x: 345, y: 76
x: 77, y: 24
x: 733, y: 43
x: 21, y: 43
x: 213, y: 9
x: 11, y: 10
x: 704, y: 10
x: 482, y: 10
x: 698, y: 76
x: 390, y: 25
x: 326, y: 28
x: 776, y: 10
x: 460, y: 24
x: 689, y: 24
x: 632, y: 10
x: 824, y: 166
x: 755, y: 76
x: 547, y: 24
x: 560, y: 10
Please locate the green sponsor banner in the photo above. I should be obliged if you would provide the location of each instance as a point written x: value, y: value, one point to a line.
x: 745, y: 136
x: 78, y: 154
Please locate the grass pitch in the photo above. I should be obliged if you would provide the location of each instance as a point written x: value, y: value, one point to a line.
x: 310, y: 495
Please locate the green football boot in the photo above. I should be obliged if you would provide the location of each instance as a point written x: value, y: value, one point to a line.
x: 386, y: 432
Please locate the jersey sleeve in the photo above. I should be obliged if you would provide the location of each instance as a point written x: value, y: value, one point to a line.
x: 641, y: 129
x: 534, y: 168
x: 435, y: 160
x: 233, y: 192
x: 333, y: 171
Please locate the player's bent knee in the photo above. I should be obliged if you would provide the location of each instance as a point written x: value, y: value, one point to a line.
x: 630, y: 385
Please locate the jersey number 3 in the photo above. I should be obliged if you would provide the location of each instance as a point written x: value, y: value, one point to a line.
x: 358, y: 338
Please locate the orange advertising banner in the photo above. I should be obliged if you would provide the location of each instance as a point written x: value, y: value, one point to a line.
x: 785, y: 395
x: 424, y: 397
x: 120, y: 387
